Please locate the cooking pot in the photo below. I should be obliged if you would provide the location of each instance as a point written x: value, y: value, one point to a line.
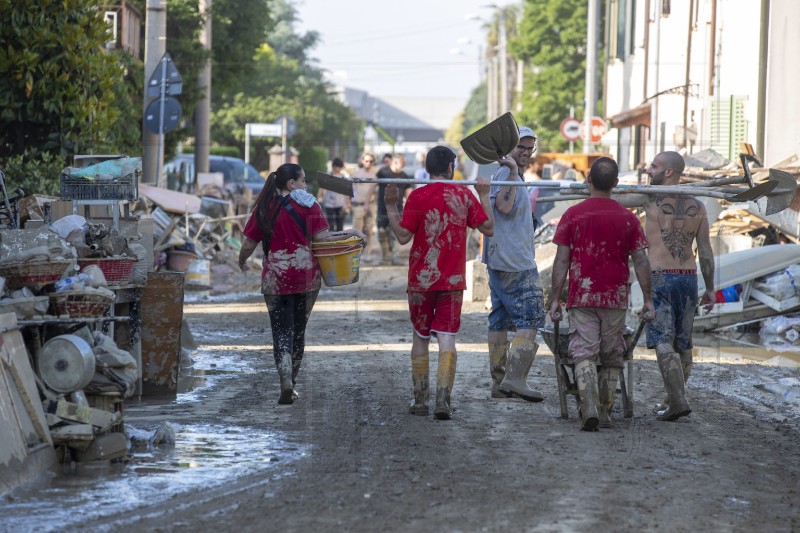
x: 66, y: 363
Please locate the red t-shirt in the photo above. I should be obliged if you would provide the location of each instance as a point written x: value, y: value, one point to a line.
x: 601, y: 234
x: 438, y: 215
x: 289, y: 267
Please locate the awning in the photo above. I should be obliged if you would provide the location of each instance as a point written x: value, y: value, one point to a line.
x: 637, y: 116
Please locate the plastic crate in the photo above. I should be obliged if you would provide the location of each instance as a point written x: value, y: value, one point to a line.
x: 122, y: 188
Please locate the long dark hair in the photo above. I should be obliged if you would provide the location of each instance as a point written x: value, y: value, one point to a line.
x: 266, y: 207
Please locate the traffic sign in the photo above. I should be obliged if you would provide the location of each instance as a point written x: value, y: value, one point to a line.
x: 598, y: 129
x: 265, y: 130
x: 571, y: 128
x: 169, y: 76
x: 172, y: 115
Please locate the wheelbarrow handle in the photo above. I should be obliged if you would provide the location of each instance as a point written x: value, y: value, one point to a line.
x: 557, y: 339
x: 634, y: 340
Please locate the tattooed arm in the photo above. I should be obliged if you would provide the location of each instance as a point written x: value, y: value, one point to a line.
x: 706, y: 259
x: 506, y: 196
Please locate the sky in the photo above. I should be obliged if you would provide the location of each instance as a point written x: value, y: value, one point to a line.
x: 409, y: 48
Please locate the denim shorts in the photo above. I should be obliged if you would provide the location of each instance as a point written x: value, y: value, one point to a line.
x: 675, y: 300
x: 517, y: 300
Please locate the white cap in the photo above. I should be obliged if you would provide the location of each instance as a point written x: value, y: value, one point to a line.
x: 525, y: 131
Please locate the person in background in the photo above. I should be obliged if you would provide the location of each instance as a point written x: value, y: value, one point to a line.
x: 335, y: 205
x: 363, y: 196
x: 437, y: 217
x: 421, y: 173
x: 285, y: 220
x: 385, y: 236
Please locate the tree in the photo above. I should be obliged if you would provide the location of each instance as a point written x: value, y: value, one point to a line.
x: 56, y: 80
x: 552, y: 40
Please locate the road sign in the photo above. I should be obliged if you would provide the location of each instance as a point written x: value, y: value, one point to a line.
x: 571, y: 129
x: 265, y: 130
x: 598, y: 129
x: 169, y: 76
x: 172, y: 115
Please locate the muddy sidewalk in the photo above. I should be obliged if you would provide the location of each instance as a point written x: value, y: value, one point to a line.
x: 353, y: 459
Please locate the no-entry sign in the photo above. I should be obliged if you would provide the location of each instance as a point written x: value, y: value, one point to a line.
x: 571, y: 129
x: 598, y: 129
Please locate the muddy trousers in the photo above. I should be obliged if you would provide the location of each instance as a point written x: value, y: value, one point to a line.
x: 386, y: 238
x: 288, y: 316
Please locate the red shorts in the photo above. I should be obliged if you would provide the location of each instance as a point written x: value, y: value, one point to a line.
x: 437, y: 311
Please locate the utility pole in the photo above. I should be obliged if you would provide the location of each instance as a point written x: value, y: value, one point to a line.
x: 503, y: 65
x: 203, y: 111
x: 591, y: 74
x: 155, y: 44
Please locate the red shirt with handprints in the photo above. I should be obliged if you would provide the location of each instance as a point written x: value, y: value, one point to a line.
x: 289, y: 267
x: 601, y: 235
x: 438, y: 215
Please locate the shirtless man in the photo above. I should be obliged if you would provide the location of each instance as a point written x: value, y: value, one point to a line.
x: 363, y: 196
x: 673, y: 223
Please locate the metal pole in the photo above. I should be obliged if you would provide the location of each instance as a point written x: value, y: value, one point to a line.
x: 503, y: 65
x: 284, y: 140
x: 571, y: 115
x: 247, y: 143
x: 591, y: 74
x: 163, y: 97
x: 155, y: 44
x: 203, y: 112
x: 763, y: 64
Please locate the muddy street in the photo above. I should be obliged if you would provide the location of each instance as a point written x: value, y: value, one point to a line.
x: 347, y: 456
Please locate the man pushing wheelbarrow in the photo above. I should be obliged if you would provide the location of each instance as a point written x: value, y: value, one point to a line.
x: 595, y: 239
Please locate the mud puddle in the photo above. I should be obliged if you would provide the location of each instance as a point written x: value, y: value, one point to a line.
x: 203, y: 456
x: 745, y: 347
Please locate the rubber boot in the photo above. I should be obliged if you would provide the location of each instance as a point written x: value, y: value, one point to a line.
x: 607, y: 378
x: 445, y: 378
x: 419, y: 376
x: 295, y: 371
x: 520, y: 358
x: 285, y: 375
x: 586, y: 378
x: 660, y: 408
x: 672, y: 374
x: 498, y: 357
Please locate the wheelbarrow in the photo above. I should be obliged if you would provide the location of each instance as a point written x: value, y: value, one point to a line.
x: 565, y: 366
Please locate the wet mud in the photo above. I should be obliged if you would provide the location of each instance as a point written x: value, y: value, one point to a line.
x: 347, y: 455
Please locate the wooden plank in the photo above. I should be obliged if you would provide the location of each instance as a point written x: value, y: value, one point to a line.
x: 778, y: 305
x: 25, y: 451
x: 171, y: 201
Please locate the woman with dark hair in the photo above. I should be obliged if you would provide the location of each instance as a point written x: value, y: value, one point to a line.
x: 286, y: 219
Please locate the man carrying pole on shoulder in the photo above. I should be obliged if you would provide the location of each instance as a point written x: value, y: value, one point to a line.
x: 437, y: 217
x: 514, y: 287
x: 674, y: 222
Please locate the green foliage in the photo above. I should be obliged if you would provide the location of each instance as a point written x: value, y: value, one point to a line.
x: 56, y: 81
x: 552, y: 40
x: 313, y: 159
x: 39, y: 175
x: 475, y: 110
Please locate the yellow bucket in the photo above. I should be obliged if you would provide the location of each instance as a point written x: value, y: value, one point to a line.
x: 338, y: 260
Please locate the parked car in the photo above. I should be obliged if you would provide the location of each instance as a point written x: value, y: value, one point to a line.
x: 235, y: 172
